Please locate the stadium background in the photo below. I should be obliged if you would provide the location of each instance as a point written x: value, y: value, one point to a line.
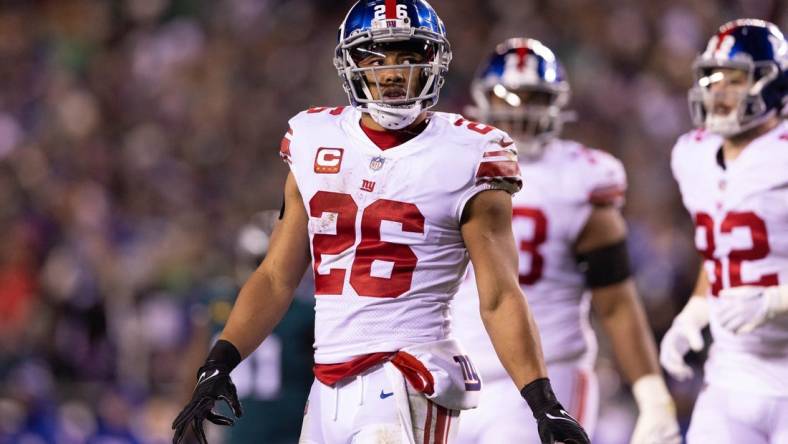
x: 137, y: 137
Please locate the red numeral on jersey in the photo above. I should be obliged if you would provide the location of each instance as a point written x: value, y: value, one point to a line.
x: 370, y: 249
x: 759, y: 250
x: 475, y: 126
x: 531, y: 246
x: 345, y: 209
x: 703, y: 220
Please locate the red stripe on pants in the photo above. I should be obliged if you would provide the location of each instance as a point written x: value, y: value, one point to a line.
x: 428, y: 423
x: 581, y: 392
x: 448, y: 425
x: 440, y: 425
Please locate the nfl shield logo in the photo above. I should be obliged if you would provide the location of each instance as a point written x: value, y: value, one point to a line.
x: 376, y: 163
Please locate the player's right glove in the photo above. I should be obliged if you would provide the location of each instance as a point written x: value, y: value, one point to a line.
x: 684, y: 335
x: 553, y: 422
x: 213, y: 384
x: 656, y: 422
x: 743, y: 309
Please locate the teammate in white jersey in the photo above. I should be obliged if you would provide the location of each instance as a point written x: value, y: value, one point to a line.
x: 733, y: 177
x: 392, y: 201
x: 572, y: 239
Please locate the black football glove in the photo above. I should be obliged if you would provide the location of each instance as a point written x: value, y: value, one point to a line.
x: 213, y: 384
x: 553, y: 422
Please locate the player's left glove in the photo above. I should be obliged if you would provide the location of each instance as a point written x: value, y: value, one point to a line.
x: 657, y: 419
x: 743, y: 309
x: 213, y: 384
x: 553, y: 422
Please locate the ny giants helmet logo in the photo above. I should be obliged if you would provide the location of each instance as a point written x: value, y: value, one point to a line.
x: 328, y: 160
x: 521, y: 67
x: 720, y: 49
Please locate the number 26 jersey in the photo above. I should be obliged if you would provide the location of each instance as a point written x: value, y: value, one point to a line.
x: 384, y: 225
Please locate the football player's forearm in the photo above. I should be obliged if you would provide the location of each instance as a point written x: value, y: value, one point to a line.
x: 515, y: 337
x: 267, y: 293
x: 261, y: 304
x: 623, y: 319
x: 702, y: 284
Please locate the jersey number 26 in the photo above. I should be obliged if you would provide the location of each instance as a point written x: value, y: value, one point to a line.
x: 371, y: 248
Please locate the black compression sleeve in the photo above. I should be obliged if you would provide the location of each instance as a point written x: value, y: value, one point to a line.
x: 605, y: 266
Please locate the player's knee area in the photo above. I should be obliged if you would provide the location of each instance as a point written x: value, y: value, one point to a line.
x: 379, y: 434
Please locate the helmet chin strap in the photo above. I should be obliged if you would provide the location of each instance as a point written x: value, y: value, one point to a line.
x: 729, y: 125
x: 394, y: 118
x: 726, y: 126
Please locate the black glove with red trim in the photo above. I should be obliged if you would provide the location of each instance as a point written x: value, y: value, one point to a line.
x: 554, y: 423
x: 213, y: 384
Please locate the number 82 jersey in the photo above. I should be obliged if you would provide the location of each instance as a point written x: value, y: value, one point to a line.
x: 384, y: 225
x: 741, y: 218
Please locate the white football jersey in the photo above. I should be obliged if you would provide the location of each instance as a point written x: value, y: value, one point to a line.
x: 741, y: 218
x: 561, y: 189
x: 384, y: 225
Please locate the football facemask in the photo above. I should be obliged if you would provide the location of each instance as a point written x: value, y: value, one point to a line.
x: 394, y: 92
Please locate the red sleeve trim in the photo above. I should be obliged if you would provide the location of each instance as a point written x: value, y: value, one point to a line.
x: 607, y: 195
x: 503, y: 153
x: 284, y: 146
x: 501, y: 168
x: 319, y: 109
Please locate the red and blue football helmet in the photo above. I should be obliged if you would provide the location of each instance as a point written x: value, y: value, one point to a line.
x: 374, y: 26
x: 527, y: 81
x: 759, y: 49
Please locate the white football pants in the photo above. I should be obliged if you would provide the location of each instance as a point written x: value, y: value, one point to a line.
x: 376, y: 407
x: 723, y: 416
x: 504, y: 417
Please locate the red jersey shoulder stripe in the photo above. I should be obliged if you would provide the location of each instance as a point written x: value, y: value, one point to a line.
x: 506, y: 154
x: 607, y: 195
x: 335, y: 111
x: 284, y: 146
x: 498, y: 169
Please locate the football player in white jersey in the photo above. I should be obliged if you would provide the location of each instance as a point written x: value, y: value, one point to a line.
x: 390, y: 201
x: 572, y: 241
x: 733, y: 177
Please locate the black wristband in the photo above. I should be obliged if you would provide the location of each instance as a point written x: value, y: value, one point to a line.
x: 225, y: 354
x: 539, y: 395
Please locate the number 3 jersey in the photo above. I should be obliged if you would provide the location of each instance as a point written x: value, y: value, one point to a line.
x: 741, y: 217
x: 384, y: 225
x: 561, y: 189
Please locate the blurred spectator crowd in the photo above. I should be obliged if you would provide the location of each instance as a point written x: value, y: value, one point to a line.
x: 138, y: 136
